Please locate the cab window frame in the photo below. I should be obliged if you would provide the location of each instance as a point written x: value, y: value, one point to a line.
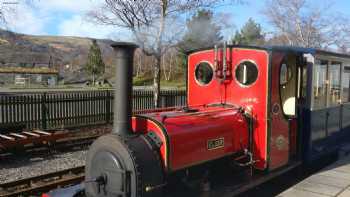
x: 281, y: 85
x: 324, y: 62
x: 257, y: 73
x: 212, y: 73
x: 288, y: 72
x: 331, y: 81
x: 345, y: 71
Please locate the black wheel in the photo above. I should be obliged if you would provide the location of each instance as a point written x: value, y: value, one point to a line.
x: 119, y: 167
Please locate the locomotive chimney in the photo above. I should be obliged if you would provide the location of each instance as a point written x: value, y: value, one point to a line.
x: 123, y: 87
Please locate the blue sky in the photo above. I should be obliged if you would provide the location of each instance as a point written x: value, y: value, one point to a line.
x: 67, y: 17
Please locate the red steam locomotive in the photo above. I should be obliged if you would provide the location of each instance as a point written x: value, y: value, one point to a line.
x: 266, y: 108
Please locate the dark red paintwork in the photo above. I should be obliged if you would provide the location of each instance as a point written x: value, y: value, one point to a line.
x: 279, y: 140
x: 189, y: 132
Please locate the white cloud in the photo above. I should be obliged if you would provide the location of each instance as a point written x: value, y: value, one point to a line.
x: 24, y: 19
x: 77, y: 26
x: 76, y: 6
x: 61, y: 17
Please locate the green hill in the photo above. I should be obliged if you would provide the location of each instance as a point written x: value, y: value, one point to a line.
x: 66, y: 54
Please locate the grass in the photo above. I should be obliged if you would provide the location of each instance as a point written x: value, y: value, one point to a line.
x: 142, y: 81
x: 59, y: 39
x: 148, y: 81
x: 176, y: 84
x: 28, y: 70
x: 137, y: 81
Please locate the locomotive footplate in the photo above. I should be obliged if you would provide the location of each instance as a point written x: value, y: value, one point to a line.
x: 227, y: 184
x: 223, y: 184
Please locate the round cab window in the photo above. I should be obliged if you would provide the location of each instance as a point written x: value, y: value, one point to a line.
x: 246, y: 73
x: 204, y: 73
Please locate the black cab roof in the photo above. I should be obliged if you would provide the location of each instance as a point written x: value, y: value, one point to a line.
x: 281, y: 48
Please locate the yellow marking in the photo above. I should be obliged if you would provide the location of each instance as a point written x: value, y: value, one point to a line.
x: 213, y: 144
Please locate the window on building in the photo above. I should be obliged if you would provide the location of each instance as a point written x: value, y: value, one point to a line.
x: 334, y: 83
x: 319, y: 84
x: 346, y: 84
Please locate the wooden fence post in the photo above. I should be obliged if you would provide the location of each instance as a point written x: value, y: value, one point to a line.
x: 43, y: 111
x: 108, y: 106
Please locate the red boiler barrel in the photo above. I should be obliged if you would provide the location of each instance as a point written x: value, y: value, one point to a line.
x: 191, y: 138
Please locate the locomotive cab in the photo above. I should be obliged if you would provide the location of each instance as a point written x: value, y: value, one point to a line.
x: 266, y: 83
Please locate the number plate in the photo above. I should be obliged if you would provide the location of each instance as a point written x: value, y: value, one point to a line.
x: 215, y: 143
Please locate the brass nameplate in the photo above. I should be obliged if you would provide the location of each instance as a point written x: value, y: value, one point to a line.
x: 215, y: 143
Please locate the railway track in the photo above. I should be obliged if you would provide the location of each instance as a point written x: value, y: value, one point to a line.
x: 33, y: 186
x: 25, y: 139
x: 31, y: 140
x: 66, y: 144
x: 15, y: 140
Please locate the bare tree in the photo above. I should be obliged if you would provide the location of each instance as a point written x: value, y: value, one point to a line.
x: 8, y: 9
x: 155, y: 24
x: 168, y: 63
x: 301, y: 24
x: 5, y: 8
x: 138, y: 62
x: 2, y: 14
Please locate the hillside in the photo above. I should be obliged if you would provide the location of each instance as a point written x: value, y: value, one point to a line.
x: 24, y: 50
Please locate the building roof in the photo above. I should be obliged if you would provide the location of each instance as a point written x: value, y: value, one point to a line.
x: 22, y: 70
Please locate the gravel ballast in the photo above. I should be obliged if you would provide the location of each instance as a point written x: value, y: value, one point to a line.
x: 26, y: 166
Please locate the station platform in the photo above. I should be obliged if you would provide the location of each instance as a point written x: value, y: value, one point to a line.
x: 332, y: 181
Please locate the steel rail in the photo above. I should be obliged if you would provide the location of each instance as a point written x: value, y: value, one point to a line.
x: 42, y: 183
x: 65, y: 145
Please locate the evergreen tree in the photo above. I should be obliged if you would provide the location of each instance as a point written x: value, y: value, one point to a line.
x: 201, y: 32
x: 95, y: 65
x: 250, y: 34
